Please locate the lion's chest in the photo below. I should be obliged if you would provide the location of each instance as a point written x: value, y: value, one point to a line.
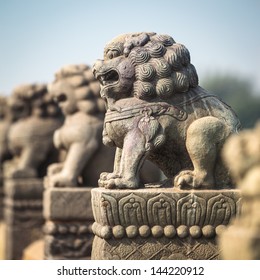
x: 32, y: 130
x: 66, y: 135
x: 118, y: 129
x: 77, y: 128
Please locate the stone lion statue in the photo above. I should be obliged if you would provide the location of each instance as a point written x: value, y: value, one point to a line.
x: 156, y: 110
x: 35, y: 117
x: 76, y: 91
x: 5, y: 123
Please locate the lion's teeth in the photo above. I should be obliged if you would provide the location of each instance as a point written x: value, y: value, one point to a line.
x: 102, y: 79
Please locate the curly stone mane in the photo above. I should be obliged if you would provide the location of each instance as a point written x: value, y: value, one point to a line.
x: 162, y: 66
x: 3, y: 107
x: 33, y: 99
x: 29, y: 91
x: 86, y: 88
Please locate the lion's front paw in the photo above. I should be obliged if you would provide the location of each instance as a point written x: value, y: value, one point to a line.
x: 106, y: 180
x: 60, y: 180
x: 189, y: 179
x: 107, y: 176
x: 54, y: 168
x: 117, y: 182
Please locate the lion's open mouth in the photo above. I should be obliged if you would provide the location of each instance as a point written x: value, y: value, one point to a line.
x: 108, y: 78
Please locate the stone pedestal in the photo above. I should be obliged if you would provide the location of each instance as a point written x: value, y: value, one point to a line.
x: 69, y: 218
x: 22, y: 214
x: 1, y: 196
x: 160, y: 223
x: 2, y: 231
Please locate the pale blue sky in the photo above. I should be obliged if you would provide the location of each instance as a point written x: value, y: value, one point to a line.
x: 40, y: 36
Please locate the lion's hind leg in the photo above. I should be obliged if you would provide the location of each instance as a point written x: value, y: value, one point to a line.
x: 205, y: 137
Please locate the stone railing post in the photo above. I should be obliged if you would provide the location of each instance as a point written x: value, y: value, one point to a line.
x: 22, y: 214
x: 68, y: 216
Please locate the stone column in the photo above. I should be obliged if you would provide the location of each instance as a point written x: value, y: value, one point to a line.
x: 1, y: 196
x: 69, y: 219
x: 160, y: 223
x: 23, y: 214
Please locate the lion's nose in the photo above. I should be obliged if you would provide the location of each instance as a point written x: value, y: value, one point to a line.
x: 96, y: 66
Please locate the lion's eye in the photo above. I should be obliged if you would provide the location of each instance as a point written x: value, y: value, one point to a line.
x: 116, y: 53
x: 113, y: 53
x: 61, y: 98
x: 110, y: 55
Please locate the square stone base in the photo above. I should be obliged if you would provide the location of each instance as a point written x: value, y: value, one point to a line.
x: 69, y: 219
x: 22, y: 214
x: 160, y: 223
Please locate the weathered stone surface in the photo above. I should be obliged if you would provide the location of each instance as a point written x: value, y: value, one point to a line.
x: 68, y: 240
x: 156, y: 110
x: 22, y: 214
x: 68, y: 214
x: 160, y: 223
x: 67, y: 204
x: 23, y: 189
x: 241, y: 240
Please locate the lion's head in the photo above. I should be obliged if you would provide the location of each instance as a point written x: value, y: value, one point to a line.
x: 242, y: 153
x: 144, y: 65
x: 3, y: 107
x: 4, y: 127
x: 32, y: 100
x: 76, y: 89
